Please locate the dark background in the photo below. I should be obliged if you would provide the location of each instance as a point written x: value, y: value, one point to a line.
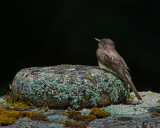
x: 46, y: 33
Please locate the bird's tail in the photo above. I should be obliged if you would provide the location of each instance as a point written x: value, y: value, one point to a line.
x: 129, y: 81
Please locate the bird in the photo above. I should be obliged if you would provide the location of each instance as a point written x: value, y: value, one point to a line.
x: 109, y: 59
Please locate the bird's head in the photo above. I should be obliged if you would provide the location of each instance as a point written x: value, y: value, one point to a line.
x: 105, y: 43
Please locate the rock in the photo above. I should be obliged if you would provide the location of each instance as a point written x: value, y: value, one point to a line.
x: 118, y: 118
x: 149, y: 99
x: 76, y: 86
x: 125, y: 109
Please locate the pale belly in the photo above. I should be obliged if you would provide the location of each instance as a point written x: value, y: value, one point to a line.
x: 104, y: 67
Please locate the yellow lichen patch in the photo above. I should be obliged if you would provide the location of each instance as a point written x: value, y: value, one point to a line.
x: 99, y: 113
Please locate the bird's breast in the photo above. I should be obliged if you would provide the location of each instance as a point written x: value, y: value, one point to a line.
x: 104, y: 67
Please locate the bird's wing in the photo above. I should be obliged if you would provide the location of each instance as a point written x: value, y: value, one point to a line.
x: 124, y: 63
x: 114, y: 61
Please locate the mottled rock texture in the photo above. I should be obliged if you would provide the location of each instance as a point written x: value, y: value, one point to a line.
x: 76, y: 86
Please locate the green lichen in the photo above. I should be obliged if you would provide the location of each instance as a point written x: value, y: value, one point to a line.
x: 158, y: 101
x: 123, y: 109
x: 2, y: 101
x: 68, y: 85
x: 115, y: 87
x: 150, y: 99
x: 131, y: 96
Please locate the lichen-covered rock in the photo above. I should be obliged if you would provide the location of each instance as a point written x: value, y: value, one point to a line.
x: 76, y: 86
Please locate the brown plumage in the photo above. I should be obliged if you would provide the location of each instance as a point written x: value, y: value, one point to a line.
x: 109, y: 59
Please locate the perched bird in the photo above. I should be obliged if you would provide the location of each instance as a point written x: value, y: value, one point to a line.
x: 109, y: 59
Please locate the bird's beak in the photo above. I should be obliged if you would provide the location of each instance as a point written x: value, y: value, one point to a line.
x: 97, y: 40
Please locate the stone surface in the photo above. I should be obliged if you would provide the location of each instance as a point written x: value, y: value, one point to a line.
x: 149, y: 99
x: 127, y: 121
x: 116, y: 120
x: 125, y: 109
x: 76, y: 86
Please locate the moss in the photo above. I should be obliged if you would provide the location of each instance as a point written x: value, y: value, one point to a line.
x: 74, y: 124
x: 8, y: 117
x: 11, y: 114
x: 45, y: 108
x: 83, y: 119
x: 26, y: 114
x: 158, y: 110
x: 34, y: 115
x: 78, y: 116
x: 20, y: 105
x: 155, y: 114
x: 39, y: 116
x: 11, y: 99
x: 16, y: 102
x: 158, y: 101
x: 72, y: 114
x: 2, y: 108
x: 5, y: 120
x: 99, y: 113
x: 89, y: 117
